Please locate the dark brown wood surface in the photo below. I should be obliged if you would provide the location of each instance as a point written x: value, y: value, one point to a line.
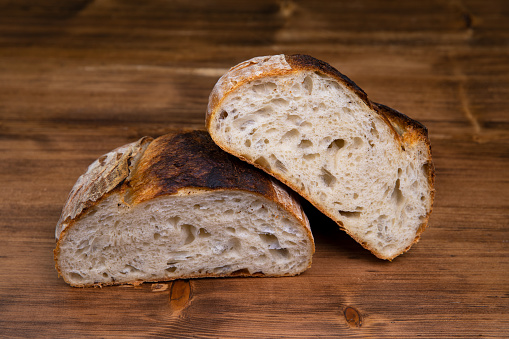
x: 79, y: 78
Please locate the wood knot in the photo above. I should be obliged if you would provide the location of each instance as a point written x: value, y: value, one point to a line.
x: 287, y: 8
x: 180, y: 293
x: 353, y: 317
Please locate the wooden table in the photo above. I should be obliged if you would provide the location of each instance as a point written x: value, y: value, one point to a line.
x: 79, y: 78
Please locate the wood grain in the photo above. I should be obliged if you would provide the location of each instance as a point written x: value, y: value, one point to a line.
x: 79, y: 78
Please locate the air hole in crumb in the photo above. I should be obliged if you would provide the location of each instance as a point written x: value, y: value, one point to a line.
x: 171, y: 269
x: 235, y: 244
x: 280, y: 252
x: 279, y: 101
x: 264, y: 112
x: 247, y: 143
x: 266, y: 141
x: 355, y: 195
x: 76, y: 276
x: 188, y: 232
x: 311, y: 156
x: 129, y: 268
x: 157, y: 236
x: 306, y: 124
x: 426, y: 168
x: 325, y: 140
x: 286, y: 221
x: 263, y: 163
x: 202, y: 233
x: 337, y: 144
x: 270, y: 240
x: 242, y: 271
x: 347, y: 110
x: 373, y: 130
x: 105, y: 275
x: 81, y: 250
x: 223, y: 115
x: 308, y: 84
x: 350, y: 214
x: 328, y: 179
x: 222, y: 269
x: 243, y: 124
x: 305, y: 143
x: 290, y: 135
x: 280, y: 166
x: 358, y: 142
x: 231, y: 230
x: 265, y: 88
x: 397, y: 195
x: 295, y: 119
x: 173, y: 221
x: 262, y: 210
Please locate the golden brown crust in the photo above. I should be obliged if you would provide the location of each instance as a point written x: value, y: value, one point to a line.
x: 302, y: 62
x: 407, y: 132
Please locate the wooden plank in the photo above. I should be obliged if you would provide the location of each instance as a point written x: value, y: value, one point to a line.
x: 79, y: 78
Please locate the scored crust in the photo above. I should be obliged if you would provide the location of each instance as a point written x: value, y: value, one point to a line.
x: 101, y: 177
x: 173, y: 164
x: 406, y: 131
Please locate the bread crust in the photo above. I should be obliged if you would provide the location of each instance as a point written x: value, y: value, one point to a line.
x: 173, y: 164
x: 101, y: 177
x: 407, y: 132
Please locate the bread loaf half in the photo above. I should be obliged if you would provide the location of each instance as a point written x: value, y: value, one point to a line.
x: 365, y: 165
x: 178, y: 207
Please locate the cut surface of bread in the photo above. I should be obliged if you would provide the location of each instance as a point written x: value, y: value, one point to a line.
x: 365, y: 165
x: 180, y: 208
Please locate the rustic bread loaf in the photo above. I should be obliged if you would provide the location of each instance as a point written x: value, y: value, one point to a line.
x: 178, y: 207
x: 365, y: 165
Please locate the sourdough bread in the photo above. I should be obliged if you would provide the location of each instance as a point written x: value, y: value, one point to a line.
x: 178, y: 207
x: 365, y: 165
